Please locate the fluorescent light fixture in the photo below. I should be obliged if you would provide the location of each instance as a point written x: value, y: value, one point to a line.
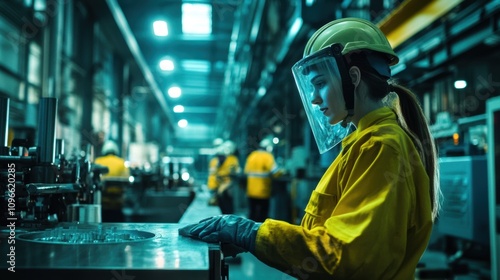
x: 160, y: 28
x: 196, y: 19
x: 166, y: 65
x: 178, y: 109
x: 202, y: 66
x: 460, y: 84
x: 261, y: 91
x: 309, y: 3
x: 174, y: 92
x: 182, y: 123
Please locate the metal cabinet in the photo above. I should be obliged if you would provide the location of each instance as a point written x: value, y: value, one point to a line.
x: 493, y: 123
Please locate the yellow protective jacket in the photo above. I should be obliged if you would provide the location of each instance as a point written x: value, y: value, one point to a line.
x: 260, y: 167
x: 112, y: 196
x: 369, y: 216
x: 115, y: 164
x: 213, y: 166
x: 219, y: 172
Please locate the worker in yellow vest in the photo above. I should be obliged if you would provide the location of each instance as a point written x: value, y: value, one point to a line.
x: 113, y: 182
x: 220, y: 182
x: 228, y: 167
x: 260, y: 169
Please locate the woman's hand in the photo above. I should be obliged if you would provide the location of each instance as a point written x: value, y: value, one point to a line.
x: 225, y: 229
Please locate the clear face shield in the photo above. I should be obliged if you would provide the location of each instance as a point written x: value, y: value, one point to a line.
x: 321, y: 90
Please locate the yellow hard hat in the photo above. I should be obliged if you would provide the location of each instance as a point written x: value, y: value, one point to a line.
x: 354, y: 34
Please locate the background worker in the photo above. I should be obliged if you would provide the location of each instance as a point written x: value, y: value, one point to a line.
x: 114, y: 182
x: 228, y: 168
x: 260, y: 169
x: 212, y: 181
x: 222, y: 167
x: 372, y: 212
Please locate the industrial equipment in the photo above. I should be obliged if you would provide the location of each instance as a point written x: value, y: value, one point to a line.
x: 111, y: 251
x: 465, y: 189
x: 493, y: 122
x: 38, y: 183
x: 51, y: 225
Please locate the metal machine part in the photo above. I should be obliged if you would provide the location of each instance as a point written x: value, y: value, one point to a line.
x: 85, y: 235
x: 4, y: 117
x: 465, y: 191
x: 37, y: 181
x: 134, y: 251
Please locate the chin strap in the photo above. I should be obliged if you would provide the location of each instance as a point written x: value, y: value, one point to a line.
x: 347, y: 85
x: 347, y: 118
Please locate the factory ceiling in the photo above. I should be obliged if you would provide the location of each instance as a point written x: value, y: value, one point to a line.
x: 238, y: 76
x: 225, y: 76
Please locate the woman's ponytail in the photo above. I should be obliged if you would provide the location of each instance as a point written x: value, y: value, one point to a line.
x: 415, y: 124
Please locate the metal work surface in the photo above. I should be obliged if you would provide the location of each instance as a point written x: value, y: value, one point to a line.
x: 199, y: 209
x: 161, y: 253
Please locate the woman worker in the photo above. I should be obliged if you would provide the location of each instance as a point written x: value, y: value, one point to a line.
x: 372, y: 212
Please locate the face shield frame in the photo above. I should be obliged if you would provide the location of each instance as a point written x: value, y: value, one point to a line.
x: 326, y: 135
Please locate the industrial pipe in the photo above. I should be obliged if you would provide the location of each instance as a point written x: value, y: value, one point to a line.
x: 47, y: 129
x: 4, y: 121
x: 59, y: 146
x: 40, y: 188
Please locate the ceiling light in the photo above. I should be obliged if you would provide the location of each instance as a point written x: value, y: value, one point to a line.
x: 261, y: 91
x: 196, y: 19
x: 182, y: 123
x: 309, y: 3
x: 160, y: 28
x: 460, y: 84
x: 166, y: 65
x: 202, y: 66
x: 174, y: 92
x: 178, y: 109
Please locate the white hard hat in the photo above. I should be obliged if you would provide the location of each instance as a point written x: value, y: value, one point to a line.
x: 228, y: 147
x: 266, y: 143
x: 109, y: 147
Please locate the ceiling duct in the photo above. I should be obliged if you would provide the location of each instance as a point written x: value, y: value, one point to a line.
x: 316, y: 13
x: 133, y: 46
x: 246, y: 29
x: 267, y: 43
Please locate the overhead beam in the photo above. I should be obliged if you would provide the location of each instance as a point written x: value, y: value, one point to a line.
x: 132, y: 44
x: 412, y: 16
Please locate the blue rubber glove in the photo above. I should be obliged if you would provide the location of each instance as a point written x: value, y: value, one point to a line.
x: 226, y: 229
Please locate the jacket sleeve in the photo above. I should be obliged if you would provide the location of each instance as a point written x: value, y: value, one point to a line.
x: 365, y: 236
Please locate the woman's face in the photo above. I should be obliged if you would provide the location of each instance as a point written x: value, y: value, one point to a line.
x: 327, y: 94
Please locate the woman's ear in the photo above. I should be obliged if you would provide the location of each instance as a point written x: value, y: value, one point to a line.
x: 355, y: 75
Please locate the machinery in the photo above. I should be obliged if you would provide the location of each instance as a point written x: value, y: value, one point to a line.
x: 38, y: 183
x: 51, y: 225
x: 463, y: 221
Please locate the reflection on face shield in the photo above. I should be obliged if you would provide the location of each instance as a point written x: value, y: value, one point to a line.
x: 324, y: 88
x: 319, y: 83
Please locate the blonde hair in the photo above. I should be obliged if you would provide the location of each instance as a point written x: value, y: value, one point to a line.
x: 412, y: 119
